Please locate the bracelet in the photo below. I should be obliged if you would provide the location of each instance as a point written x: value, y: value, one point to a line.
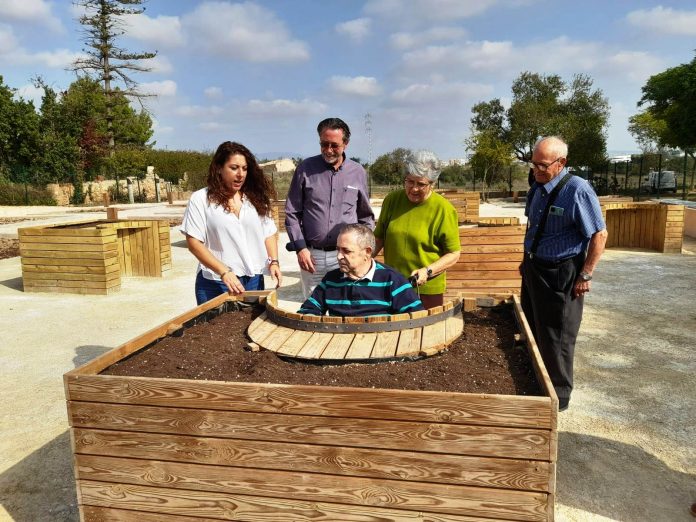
x: 274, y: 262
x: 224, y: 274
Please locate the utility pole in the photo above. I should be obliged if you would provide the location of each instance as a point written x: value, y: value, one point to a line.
x: 368, y: 131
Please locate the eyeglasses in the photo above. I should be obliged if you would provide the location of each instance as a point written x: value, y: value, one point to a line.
x: 418, y: 184
x: 330, y: 145
x: 543, y: 167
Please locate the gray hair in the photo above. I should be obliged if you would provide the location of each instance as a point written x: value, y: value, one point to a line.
x: 424, y: 164
x: 556, y: 145
x: 364, y: 236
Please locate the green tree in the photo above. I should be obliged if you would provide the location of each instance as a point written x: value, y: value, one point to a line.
x: 546, y: 105
x: 490, y: 157
x: 388, y: 169
x: 647, y: 130
x: 19, y: 135
x: 105, y: 60
x: 670, y: 97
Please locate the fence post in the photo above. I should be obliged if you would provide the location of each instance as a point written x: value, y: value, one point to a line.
x: 684, y: 177
x: 131, y: 198
x: 659, y: 173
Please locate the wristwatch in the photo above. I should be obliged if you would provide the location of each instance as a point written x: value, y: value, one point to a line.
x: 585, y: 276
x: 429, y: 271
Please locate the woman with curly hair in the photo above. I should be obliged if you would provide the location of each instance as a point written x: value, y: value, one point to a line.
x: 229, y: 228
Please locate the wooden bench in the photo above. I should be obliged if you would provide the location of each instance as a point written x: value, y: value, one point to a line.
x: 90, y: 257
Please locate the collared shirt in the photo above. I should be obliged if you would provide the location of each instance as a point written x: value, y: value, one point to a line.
x: 573, y: 219
x: 239, y: 242
x: 321, y: 200
x: 382, y: 291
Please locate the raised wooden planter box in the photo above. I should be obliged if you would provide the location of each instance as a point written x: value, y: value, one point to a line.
x: 89, y: 257
x: 489, y: 263
x: 150, y: 449
x: 652, y: 226
x: 466, y: 203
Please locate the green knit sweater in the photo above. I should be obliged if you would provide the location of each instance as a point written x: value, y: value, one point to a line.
x: 417, y: 235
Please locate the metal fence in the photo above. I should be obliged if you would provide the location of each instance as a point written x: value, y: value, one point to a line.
x: 645, y: 176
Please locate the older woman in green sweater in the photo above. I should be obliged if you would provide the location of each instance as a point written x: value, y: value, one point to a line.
x: 418, y: 229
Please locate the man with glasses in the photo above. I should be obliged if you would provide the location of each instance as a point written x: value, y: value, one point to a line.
x: 565, y: 238
x: 327, y: 192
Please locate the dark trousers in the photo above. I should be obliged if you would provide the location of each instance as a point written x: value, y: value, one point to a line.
x: 554, y: 315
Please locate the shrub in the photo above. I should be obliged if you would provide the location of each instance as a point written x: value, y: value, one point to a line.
x: 20, y: 194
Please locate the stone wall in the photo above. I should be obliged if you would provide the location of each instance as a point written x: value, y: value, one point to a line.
x: 94, y: 190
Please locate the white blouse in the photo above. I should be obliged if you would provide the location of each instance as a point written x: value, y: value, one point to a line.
x: 236, y: 241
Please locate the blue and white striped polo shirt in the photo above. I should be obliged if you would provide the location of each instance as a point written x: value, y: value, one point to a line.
x: 574, y: 218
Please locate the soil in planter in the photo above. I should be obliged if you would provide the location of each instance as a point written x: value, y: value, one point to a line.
x: 482, y: 360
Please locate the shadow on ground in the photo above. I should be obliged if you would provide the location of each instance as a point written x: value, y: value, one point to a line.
x: 41, y: 487
x: 614, y: 479
x: 13, y: 284
x: 85, y: 353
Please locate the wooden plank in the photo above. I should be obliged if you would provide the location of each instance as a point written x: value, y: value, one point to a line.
x: 107, y: 514
x: 458, y: 439
x: 277, y: 338
x: 68, y: 247
x: 77, y: 233
x: 315, y: 345
x: 67, y: 276
x: 295, y: 343
x: 362, y: 345
x: 63, y: 290
x: 83, y: 240
x: 385, y: 345
x: 72, y: 269
x: 125, y: 236
x: 409, y: 342
x: 366, y: 403
x: 454, y: 328
x: 50, y: 261
x: 263, y: 330
x: 241, y: 507
x: 456, y: 500
x: 338, y: 346
x: 531, y: 475
x: 69, y: 254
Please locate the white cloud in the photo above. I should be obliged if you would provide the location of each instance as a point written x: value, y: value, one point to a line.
x: 58, y: 59
x: 403, y: 40
x: 357, y: 30
x: 212, y: 126
x: 31, y: 11
x: 163, y: 31
x: 442, y: 94
x: 164, y: 88
x: 356, y: 86
x: 8, y: 41
x: 664, y: 20
x: 282, y: 108
x: 428, y: 10
x: 243, y: 31
x: 198, y: 111
x: 30, y: 92
x: 213, y: 93
x: 160, y: 64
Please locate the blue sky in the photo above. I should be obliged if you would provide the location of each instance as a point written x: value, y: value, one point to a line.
x: 264, y: 73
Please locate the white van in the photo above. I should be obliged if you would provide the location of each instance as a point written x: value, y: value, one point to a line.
x: 667, y: 180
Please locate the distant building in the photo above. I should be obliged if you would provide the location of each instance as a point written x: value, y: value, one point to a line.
x: 279, y: 166
x: 455, y: 161
x: 624, y: 158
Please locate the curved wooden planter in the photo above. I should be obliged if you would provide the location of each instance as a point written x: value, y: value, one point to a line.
x: 653, y: 226
x: 325, y: 338
x: 157, y: 449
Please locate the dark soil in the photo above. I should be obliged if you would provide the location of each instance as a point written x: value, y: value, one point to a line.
x: 8, y: 247
x: 482, y: 360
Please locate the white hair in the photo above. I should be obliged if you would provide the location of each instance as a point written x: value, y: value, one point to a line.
x: 424, y: 164
x: 556, y: 145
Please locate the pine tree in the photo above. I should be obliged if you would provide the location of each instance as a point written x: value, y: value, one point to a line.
x: 106, y: 61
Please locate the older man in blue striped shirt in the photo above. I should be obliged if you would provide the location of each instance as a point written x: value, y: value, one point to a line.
x: 360, y: 286
x: 565, y: 238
